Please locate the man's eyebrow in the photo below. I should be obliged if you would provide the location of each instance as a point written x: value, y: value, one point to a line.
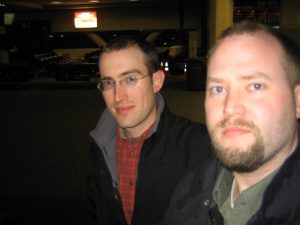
x: 104, y: 77
x: 131, y: 71
x: 125, y: 73
x: 215, y: 79
x: 255, y: 76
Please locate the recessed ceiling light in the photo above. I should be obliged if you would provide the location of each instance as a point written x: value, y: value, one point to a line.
x: 94, y: 1
x: 55, y: 3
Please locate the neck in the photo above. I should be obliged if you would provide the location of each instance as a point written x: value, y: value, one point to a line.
x: 139, y: 130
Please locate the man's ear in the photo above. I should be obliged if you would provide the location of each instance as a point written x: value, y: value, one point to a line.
x: 297, y: 100
x: 158, y: 79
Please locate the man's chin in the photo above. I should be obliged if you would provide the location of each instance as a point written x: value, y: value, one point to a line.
x: 241, y: 168
x: 234, y: 145
x: 125, y: 124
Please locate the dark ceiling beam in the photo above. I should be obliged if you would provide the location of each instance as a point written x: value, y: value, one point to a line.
x: 81, y: 4
x: 25, y: 4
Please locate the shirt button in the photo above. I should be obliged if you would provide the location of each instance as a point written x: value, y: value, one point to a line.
x: 130, y: 212
x: 131, y: 183
x: 133, y: 153
x: 206, y: 202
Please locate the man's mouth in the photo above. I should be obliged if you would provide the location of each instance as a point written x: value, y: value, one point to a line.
x: 235, y: 132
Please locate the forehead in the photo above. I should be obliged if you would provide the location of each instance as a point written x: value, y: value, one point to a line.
x: 131, y: 52
x: 245, y: 52
x: 119, y: 61
x: 255, y: 43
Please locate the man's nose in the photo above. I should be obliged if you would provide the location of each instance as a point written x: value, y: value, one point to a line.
x: 120, y: 92
x: 234, y: 103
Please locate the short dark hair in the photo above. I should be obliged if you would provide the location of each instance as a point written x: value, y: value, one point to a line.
x: 149, y: 51
x: 291, y: 50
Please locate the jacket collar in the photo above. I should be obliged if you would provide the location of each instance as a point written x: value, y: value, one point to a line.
x: 105, y: 131
x: 104, y: 135
x: 281, y: 201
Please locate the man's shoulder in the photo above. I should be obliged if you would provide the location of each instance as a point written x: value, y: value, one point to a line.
x: 185, y: 132
x: 203, y: 177
x: 180, y: 122
x: 194, y: 189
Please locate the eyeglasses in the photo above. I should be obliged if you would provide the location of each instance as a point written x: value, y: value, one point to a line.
x: 129, y: 81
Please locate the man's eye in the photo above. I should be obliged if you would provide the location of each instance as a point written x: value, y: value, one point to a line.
x: 217, y: 90
x: 131, y: 79
x: 107, y: 82
x: 256, y: 86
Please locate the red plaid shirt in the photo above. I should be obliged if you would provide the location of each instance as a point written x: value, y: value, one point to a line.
x: 128, y: 153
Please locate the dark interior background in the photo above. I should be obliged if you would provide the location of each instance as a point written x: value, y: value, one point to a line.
x: 43, y: 157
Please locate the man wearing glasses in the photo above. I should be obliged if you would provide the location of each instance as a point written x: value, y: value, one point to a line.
x: 140, y: 149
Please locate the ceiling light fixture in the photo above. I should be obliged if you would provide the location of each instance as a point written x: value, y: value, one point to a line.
x: 55, y: 3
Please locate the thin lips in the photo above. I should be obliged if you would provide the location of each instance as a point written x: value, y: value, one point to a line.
x: 123, y: 108
x: 236, y: 130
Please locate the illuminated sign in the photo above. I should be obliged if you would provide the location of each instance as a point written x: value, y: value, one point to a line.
x: 85, y: 19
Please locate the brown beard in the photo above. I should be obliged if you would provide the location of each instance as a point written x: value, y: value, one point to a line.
x: 234, y: 158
